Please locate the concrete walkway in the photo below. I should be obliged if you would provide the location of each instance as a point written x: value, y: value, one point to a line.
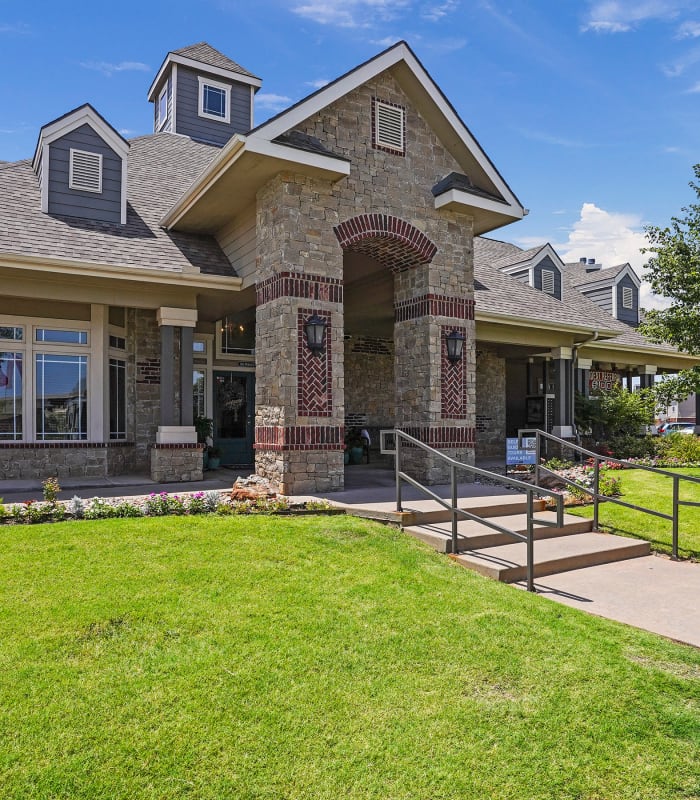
x: 652, y: 593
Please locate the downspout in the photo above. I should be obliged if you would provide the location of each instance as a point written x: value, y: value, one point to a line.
x: 574, y: 363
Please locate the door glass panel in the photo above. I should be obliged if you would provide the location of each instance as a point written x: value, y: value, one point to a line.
x: 231, y: 407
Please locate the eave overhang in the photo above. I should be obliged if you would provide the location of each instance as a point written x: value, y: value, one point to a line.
x: 232, y: 180
x: 487, y: 214
x: 585, y: 331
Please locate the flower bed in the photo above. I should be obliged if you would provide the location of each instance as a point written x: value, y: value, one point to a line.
x: 153, y: 505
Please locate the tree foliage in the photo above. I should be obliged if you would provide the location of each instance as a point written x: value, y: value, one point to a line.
x: 674, y: 272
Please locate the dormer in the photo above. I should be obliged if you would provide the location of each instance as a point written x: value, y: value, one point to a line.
x: 199, y: 92
x: 615, y: 290
x: 541, y: 268
x: 81, y: 163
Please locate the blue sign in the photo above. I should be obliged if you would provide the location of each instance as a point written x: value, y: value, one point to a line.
x: 515, y: 455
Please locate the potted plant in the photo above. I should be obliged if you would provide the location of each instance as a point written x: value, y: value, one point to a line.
x: 205, y: 428
x: 354, y: 446
x: 214, y: 457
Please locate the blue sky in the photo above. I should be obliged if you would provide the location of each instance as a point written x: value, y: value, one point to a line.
x: 590, y: 110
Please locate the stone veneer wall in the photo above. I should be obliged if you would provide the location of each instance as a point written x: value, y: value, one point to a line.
x: 369, y: 384
x: 295, y: 220
x: 490, y: 403
x: 74, y: 460
x: 176, y: 462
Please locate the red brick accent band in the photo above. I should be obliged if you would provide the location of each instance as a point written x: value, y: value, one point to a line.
x: 314, y: 370
x: 442, y: 436
x: 453, y: 379
x: 300, y: 437
x: 177, y: 446
x: 296, y: 284
x: 393, y: 242
x: 437, y: 305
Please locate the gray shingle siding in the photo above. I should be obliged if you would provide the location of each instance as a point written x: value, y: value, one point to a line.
x: 64, y: 201
x: 601, y: 297
x: 547, y: 263
x: 188, y: 121
x: 628, y: 315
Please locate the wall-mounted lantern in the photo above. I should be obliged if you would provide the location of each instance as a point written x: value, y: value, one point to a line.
x: 315, y: 330
x: 455, y: 345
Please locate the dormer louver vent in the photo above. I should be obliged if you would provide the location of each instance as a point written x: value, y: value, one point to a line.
x: 547, y: 281
x: 389, y: 126
x: 627, y: 297
x: 85, y: 171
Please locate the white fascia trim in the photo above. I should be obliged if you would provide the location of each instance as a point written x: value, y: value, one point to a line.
x: 226, y: 88
x: 317, y: 102
x: 125, y: 189
x: 627, y: 270
x: 81, y: 117
x: 459, y: 197
x: 650, y: 351
x: 173, y: 106
x: 533, y: 261
x: 127, y: 272
x: 45, y: 152
x: 613, y: 291
x: 525, y: 322
x: 161, y: 122
x: 200, y: 66
x: 263, y: 147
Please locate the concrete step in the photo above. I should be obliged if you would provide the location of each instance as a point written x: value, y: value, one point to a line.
x: 473, y: 535
x: 508, y: 563
x: 493, y: 506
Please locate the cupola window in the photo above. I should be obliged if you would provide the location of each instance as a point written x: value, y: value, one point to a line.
x: 214, y: 100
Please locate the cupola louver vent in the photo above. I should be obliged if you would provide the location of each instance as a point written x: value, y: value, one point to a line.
x: 389, y: 124
x: 85, y: 171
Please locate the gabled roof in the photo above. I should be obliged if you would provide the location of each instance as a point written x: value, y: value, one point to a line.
x: 579, y: 277
x: 204, y: 55
x: 492, y: 205
x: 160, y: 167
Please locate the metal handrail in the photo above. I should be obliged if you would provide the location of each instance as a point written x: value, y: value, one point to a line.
x: 455, y: 512
x: 595, y: 494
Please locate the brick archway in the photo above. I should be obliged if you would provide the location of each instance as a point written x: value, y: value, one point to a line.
x: 393, y: 242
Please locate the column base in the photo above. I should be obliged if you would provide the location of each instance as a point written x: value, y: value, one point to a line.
x: 171, y: 463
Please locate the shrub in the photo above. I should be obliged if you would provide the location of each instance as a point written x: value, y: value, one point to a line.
x: 628, y: 446
x: 51, y: 487
x: 679, y: 447
x: 212, y: 499
x: 197, y: 504
x: 98, y: 508
x: 76, y: 507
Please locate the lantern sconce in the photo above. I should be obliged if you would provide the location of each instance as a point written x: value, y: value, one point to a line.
x: 315, y: 330
x: 455, y: 345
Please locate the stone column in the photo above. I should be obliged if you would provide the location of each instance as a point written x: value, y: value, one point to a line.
x: 299, y: 395
x: 436, y: 399
x: 562, y: 374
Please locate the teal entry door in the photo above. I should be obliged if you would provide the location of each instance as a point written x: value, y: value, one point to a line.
x: 234, y: 416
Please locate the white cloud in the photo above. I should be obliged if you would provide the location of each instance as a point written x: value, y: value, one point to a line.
x: 694, y: 89
x: 689, y: 30
x: 387, y: 41
x: 434, y: 13
x: 351, y: 13
x: 108, y: 69
x: 678, y: 67
x: 17, y: 27
x: 272, y: 102
x: 621, y: 16
x: 611, y: 238
x: 319, y: 83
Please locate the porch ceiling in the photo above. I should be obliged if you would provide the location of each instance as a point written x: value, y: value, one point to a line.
x: 369, y: 297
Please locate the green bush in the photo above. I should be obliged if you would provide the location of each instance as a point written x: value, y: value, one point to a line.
x: 678, y: 447
x: 628, y: 446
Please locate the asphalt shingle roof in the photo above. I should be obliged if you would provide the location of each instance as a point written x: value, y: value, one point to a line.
x: 206, y: 54
x: 161, y: 167
x: 576, y: 274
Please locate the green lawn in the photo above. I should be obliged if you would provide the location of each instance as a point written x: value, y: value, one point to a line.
x: 262, y: 657
x: 656, y: 492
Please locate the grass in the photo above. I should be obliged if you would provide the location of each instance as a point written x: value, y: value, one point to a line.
x: 656, y: 492
x: 259, y: 657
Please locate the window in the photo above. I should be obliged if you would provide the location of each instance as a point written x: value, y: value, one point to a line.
x: 60, y: 396
x: 627, y: 297
x: 237, y: 334
x: 199, y: 393
x: 548, y: 281
x: 117, y: 398
x: 85, y: 171
x: 11, y: 333
x: 10, y: 395
x: 117, y: 342
x: 61, y: 336
x: 163, y: 107
x: 214, y: 100
x: 388, y: 126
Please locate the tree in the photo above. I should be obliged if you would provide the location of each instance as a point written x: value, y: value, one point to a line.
x: 674, y: 272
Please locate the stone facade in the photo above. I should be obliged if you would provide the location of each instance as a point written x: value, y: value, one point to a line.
x: 431, y: 253
x: 490, y: 402
x: 176, y: 462
x: 78, y: 460
x: 369, y: 385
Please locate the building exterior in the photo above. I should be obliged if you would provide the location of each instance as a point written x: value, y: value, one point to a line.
x: 182, y: 274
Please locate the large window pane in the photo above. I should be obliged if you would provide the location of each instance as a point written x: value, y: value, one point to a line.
x: 238, y: 333
x: 214, y: 101
x: 117, y: 399
x: 10, y: 396
x: 12, y: 333
x: 61, y: 397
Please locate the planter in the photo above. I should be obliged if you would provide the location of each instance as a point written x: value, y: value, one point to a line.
x: 356, y: 455
x: 214, y: 462
x: 346, y: 457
